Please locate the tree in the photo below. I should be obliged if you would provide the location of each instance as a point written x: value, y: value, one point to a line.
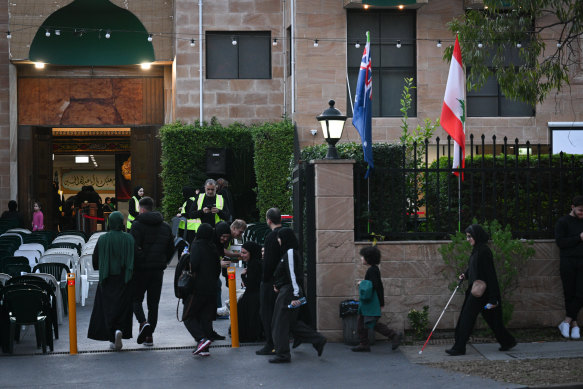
x: 529, y: 46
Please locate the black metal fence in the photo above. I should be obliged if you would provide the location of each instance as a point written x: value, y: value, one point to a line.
x: 517, y: 184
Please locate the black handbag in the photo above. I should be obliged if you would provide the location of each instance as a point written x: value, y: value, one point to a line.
x: 185, y: 282
x: 185, y: 287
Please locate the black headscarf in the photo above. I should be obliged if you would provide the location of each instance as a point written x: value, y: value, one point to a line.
x: 136, y: 189
x: 479, y: 234
x: 205, y: 232
x: 188, y: 192
x: 288, y: 239
x: 254, y: 250
x: 222, y: 228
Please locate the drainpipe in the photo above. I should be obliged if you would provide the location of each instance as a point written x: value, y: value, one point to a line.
x: 200, y: 40
x: 293, y: 59
x: 283, y: 44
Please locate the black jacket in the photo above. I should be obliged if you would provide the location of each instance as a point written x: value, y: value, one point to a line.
x: 271, y: 256
x: 568, y: 237
x: 290, y: 270
x: 204, y: 262
x: 154, y: 244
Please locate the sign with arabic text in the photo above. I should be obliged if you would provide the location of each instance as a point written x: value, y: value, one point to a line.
x: 103, y: 180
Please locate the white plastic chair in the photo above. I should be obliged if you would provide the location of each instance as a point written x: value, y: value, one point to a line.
x: 88, y: 276
x: 33, y: 246
x: 95, y: 236
x: 4, y: 277
x: 32, y: 255
x: 68, y: 260
x: 88, y: 248
x: 76, y: 239
x: 22, y: 230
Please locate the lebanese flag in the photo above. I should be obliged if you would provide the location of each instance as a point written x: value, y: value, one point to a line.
x: 453, y: 110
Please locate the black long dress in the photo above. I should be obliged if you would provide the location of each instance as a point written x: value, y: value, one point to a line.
x: 250, y: 327
x: 113, y: 306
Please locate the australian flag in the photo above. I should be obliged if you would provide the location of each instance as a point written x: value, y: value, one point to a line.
x: 362, y: 115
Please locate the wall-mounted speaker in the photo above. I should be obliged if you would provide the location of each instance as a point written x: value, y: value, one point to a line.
x: 216, y: 161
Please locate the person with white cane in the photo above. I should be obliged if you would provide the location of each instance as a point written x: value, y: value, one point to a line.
x: 482, y: 296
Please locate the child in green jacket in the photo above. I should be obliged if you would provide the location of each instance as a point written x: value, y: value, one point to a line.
x: 371, y: 301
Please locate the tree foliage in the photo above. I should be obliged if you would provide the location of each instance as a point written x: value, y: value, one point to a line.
x: 530, y: 47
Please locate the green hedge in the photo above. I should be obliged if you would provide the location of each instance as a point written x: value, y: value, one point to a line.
x: 273, y: 148
x: 250, y: 155
x: 520, y: 194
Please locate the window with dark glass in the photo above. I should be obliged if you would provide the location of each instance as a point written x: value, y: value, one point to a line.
x: 390, y: 64
x: 489, y: 101
x: 250, y: 58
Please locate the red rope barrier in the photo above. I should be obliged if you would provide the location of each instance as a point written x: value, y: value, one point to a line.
x: 93, y: 218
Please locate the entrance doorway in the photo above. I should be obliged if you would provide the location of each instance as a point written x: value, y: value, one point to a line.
x: 56, y: 163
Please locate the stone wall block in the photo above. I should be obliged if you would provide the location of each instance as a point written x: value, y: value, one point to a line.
x: 335, y: 279
x: 329, y: 313
x: 544, y: 250
x: 336, y: 246
x: 542, y: 267
x: 334, y: 179
x: 423, y: 286
x: 404, y: 269
x: 335, y: 212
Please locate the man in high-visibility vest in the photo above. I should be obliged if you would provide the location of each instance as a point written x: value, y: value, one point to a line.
x: 134, y: 206
x: 209, y: 207
x: 189, y: 195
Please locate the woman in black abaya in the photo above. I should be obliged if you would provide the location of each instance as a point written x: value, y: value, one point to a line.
x: 480, y: 267
x: 111, y: 318
x: 250, y: 328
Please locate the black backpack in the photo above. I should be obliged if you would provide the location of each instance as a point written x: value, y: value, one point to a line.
x: 182, y: 265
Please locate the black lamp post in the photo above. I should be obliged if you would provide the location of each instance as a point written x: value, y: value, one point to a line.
x: 332, y: 122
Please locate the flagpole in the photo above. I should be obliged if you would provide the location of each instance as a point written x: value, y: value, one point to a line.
x: 368, y: 204
x: 349, y: 94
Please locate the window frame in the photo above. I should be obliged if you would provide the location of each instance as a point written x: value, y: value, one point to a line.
x: 224, y: 38
x: 382, y: 74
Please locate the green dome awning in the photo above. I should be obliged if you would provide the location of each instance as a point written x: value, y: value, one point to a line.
x: 82, y: 27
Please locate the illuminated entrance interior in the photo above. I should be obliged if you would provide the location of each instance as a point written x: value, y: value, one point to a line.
x: 99, y: 157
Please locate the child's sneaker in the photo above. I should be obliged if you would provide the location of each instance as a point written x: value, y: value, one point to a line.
x: 575, y: 333
x: 564, y: 328
x: 201, y: 346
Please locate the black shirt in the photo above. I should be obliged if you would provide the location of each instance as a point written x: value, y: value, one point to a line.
x: 271, y: 256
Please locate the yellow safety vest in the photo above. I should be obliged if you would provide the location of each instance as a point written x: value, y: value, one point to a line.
x: 190, y: 223
x: 130, y: 217
x: 219, y: 205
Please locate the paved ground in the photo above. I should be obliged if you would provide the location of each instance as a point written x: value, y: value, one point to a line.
x: 170, y: 363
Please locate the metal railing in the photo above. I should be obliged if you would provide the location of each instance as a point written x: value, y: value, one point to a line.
x: 517, y: 184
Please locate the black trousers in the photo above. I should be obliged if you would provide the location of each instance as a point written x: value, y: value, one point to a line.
x: 379, y: 327
x: 267, y: 298
x: 285, y: 320
x: 199, y: 312
x: 148, y: 282
x: 571, y: 270
x: 470, y: 310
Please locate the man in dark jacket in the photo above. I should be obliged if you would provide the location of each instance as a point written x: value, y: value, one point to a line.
x: 267, y: 297
x: 154, y: 248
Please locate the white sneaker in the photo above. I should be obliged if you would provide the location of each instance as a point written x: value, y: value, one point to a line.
x: 575, y: 333
x: 564, y: 328
x: 223, y: 311
x: 118, y: 340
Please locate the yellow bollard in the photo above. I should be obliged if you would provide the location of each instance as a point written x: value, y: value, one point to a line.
x: 72, y: 314
x: 232, y: 276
